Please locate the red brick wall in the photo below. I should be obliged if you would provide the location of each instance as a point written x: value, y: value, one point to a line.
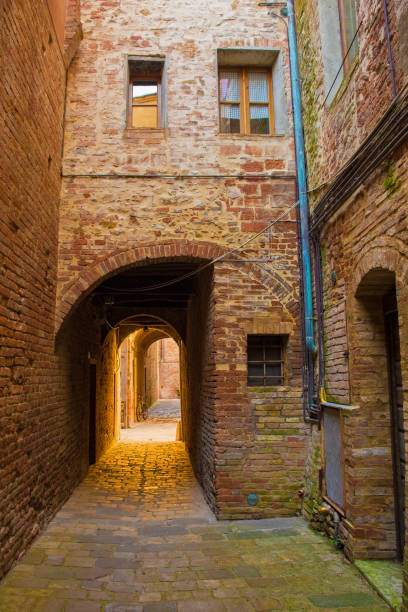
x: 333, y: 133
x: 198, y: 414
x: 31, y: 110
x: 367, y: 233
x: 107, y: 395
x: 243, y: 440
x: 162, y: 371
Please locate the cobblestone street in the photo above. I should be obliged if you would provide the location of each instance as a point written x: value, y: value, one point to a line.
x: 137, y: 535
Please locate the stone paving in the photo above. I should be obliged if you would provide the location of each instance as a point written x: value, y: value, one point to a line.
x: 160, y: 425
x: 165, y: 409
x: 137, y: 536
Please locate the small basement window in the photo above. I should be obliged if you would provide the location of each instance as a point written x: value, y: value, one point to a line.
x: 145, y: 101
x: 265, y: 360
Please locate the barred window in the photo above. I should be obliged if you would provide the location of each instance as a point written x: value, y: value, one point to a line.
x: 265, y: 360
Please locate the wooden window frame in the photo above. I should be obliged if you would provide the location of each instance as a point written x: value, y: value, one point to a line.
x: 274, y: 339
x: 344, y: 38
x: 244, y: 102
x: 155, y: 77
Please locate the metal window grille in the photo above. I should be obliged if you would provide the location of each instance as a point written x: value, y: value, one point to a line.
x: 265, y: 360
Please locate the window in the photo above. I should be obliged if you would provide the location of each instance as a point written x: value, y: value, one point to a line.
x: 348, y: 28
x: 245, y: 100
x: 338, y: 27
x: 145, y: 107
x: 265, y: 360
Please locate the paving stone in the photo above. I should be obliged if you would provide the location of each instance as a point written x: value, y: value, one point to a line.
x: 246, y: 571
x: 343, y: 600
x: 163, y: 606
x: 215, y: 574
x: 122, y: 608
x: 165, y: 552
x: 51, y: 605
x: 237, y: 605
x: 82, y: 606
x: 117, y: 563
x: 200, y: 606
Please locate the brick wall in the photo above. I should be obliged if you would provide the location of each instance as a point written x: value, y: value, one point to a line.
x: 261, y: 436
x: 333, y: 133
x: 163, y: 371
x: 366, y: 235
x: 107, y: 395
x: 198, y: 413
x: 110, y: 222
x: 152, y: 366
x: 31, y: 109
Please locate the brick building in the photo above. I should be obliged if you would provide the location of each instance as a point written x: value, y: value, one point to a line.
x: 172, y: 129
x: 177, y: 148
x: 353, y: 58
x: 37, y: 417
x: 145, y: 142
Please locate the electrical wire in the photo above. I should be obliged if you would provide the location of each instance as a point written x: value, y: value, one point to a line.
x: 230, y: 252
x: 208, y: 263
x: 342, y: 63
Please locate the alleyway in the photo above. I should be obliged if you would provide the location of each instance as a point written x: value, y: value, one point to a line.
x: 160, y: 425
x: 137, y: 535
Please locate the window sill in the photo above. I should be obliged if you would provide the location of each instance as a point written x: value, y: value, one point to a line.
x: 250, y: 136
x: 269, y: 389
x: 158, y: 133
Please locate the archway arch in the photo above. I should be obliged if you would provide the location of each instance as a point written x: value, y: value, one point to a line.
x: 212, y: 311
x: 71, y: 294
x: 138, y: 333
x: 374, y: 436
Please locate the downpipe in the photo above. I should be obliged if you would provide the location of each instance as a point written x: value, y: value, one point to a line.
x: 312, y: 409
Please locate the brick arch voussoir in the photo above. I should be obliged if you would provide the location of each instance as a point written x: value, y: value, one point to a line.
x: 73, y: 293
x: 384, y: 254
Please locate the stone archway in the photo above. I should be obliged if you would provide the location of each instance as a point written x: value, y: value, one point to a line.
x: 144, y: 331
x: 372, y: 458
x: 70, y: 294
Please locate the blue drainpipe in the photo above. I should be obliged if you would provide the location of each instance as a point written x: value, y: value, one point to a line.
x: 303, y: 200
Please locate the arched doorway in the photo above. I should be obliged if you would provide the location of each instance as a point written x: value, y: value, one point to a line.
x: 151, y: 301
x: 376, y: 454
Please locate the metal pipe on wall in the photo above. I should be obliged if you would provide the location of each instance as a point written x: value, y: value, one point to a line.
x: 303, y: 207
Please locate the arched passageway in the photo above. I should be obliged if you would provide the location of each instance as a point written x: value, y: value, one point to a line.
x: 132, y: 311
x: 245, y: 436
x: 149, y: 373
x: 149, y: 367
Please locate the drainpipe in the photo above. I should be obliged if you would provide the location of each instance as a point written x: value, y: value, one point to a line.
x: 312, y: 412
x: 303, y: 203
